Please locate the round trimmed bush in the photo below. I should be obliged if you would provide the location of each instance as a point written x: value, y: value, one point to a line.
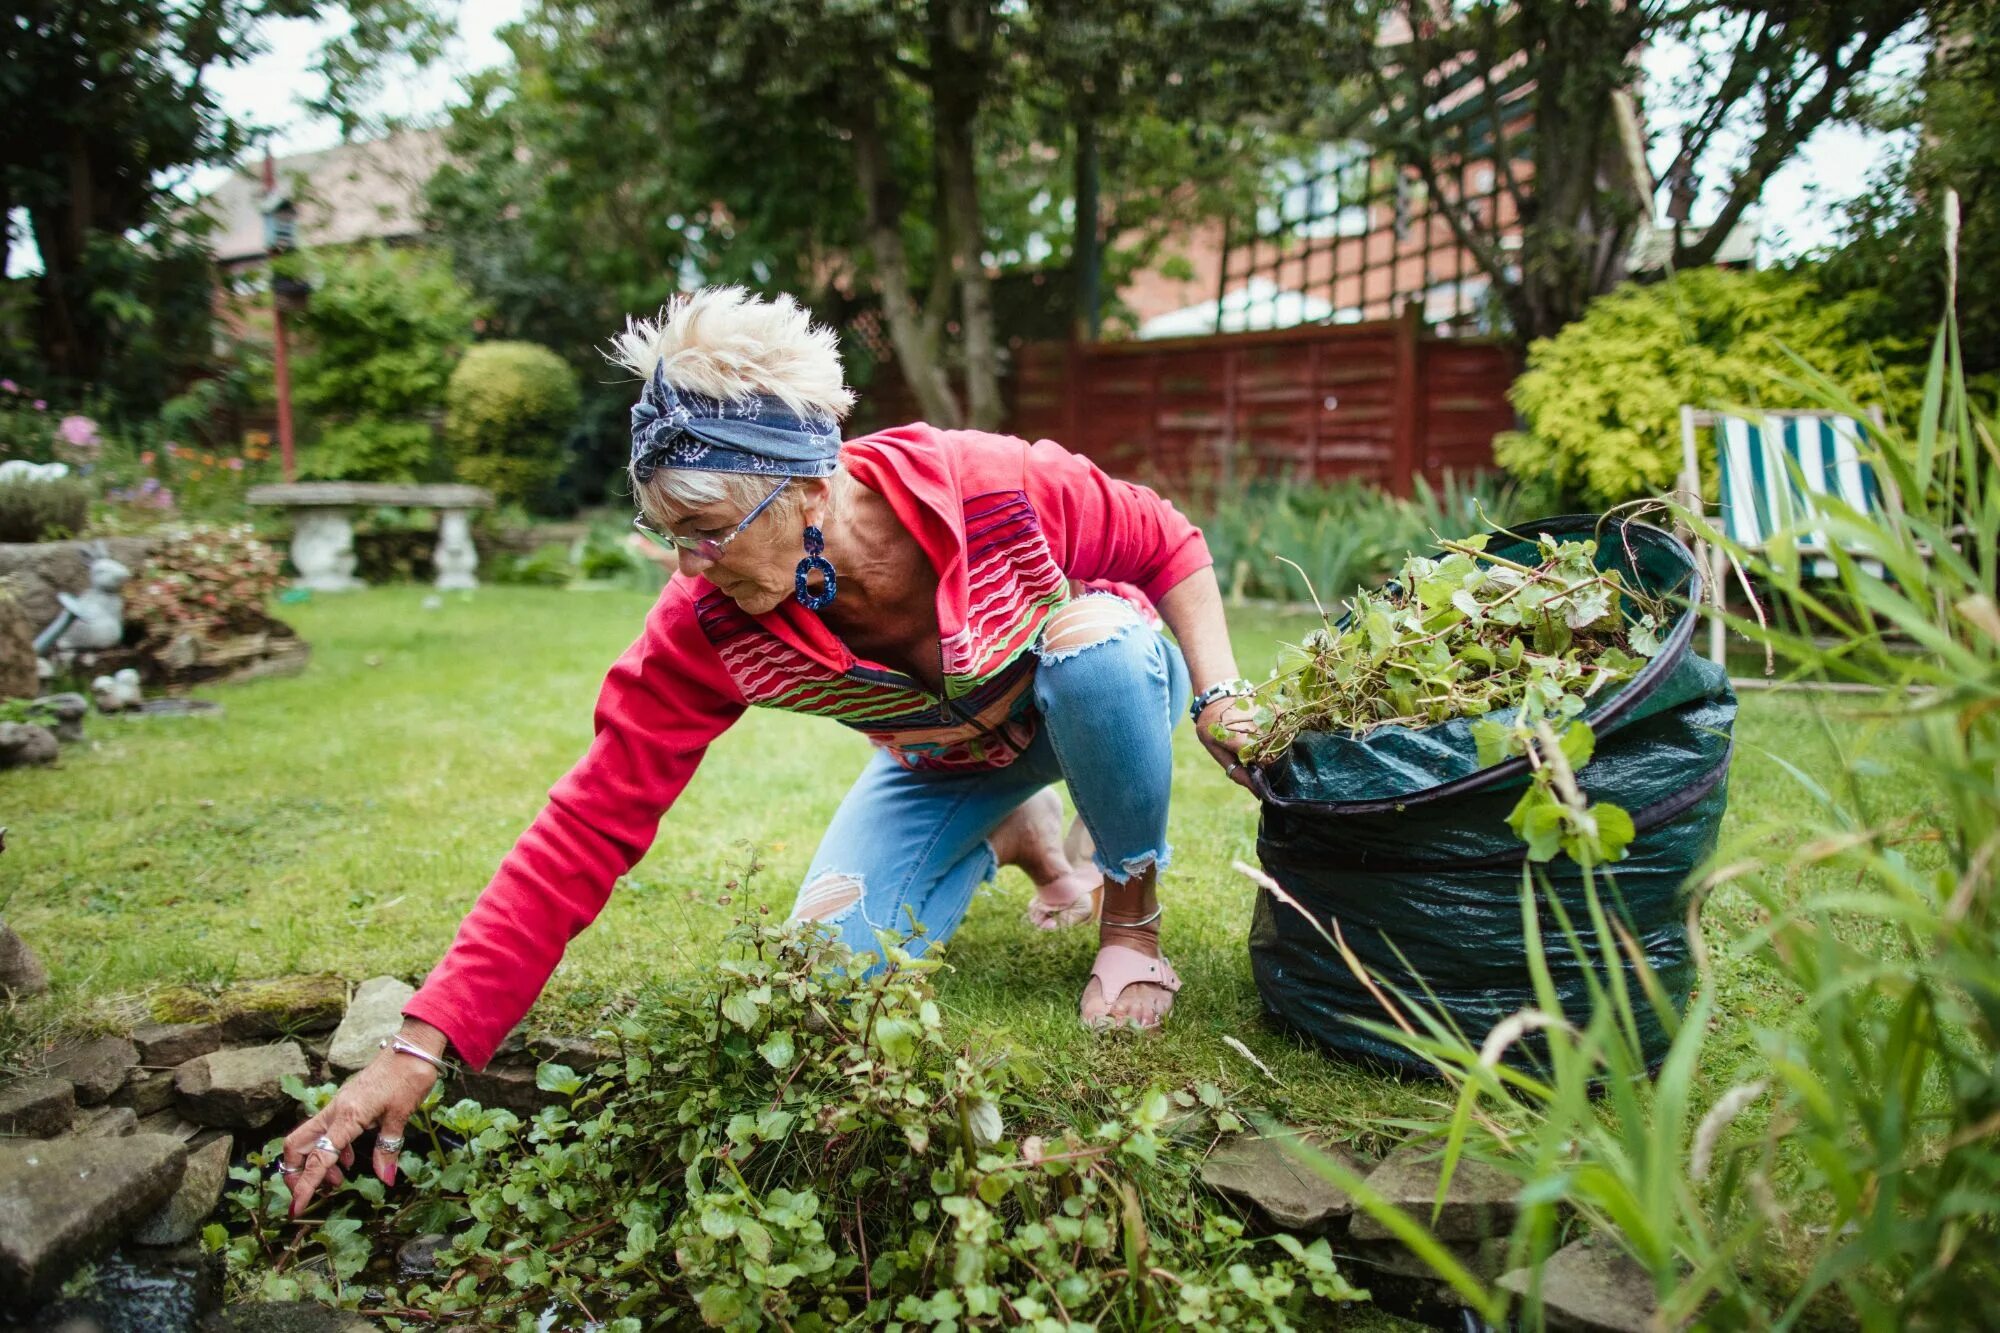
x: 508, y: 413
x: 1601, y: 400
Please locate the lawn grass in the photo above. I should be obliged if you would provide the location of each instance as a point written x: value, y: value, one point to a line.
x: 344, y: 819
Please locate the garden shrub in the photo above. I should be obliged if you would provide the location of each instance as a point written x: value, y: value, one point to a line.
x: 509, y: 411
x: 207, y: 579
x: 379, y: 337
x: 1601, y: 400
x: 35, y: 511
x: 796, y: 1145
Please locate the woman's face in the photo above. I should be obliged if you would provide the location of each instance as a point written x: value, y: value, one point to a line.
x: 757, y: 567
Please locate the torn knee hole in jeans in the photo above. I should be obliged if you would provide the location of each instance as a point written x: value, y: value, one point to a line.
x: 828, y: 898
x: 1064, y: 636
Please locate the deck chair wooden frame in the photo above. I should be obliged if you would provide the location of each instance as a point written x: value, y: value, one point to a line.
x: 1870, y: 483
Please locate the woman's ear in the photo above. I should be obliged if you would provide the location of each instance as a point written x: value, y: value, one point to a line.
x: 816, y: 498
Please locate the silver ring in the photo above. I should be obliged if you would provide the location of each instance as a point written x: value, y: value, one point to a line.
x: 1233, y: 769
x: 389, y: 1144
x: 327, y: 1146
x: 284, y: 1170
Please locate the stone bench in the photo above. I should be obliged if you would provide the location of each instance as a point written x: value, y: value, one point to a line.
x: 323, y: 526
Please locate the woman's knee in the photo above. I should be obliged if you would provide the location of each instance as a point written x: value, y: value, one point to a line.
x: 828, y: 897
x: 1085, y: 623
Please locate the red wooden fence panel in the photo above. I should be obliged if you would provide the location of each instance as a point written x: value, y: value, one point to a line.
x: 1383, y: 402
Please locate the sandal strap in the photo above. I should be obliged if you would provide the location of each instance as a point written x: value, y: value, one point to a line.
x: 1119, y: 966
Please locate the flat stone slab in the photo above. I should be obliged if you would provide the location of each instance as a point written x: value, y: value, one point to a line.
x: 291, y: 1317
x: 1591, y: 1286
x: 200, y: 1190
x: 37, y: 1108
x: 241, y: 1087
x: 105, y: 1122
x: 1270, y: 1173
x: 172, y: 1124
x: 96, y: 1068
x: 146, y: 1091
x: 65, y: 1201
x: 164, y: 1045
x: 354, y: 494
x: 280, y: 1007
x: 375, y: 1012
x: 513, y: 1089
x: 1480, y: 1202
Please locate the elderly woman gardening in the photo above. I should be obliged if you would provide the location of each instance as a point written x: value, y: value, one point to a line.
x: 980, y: 607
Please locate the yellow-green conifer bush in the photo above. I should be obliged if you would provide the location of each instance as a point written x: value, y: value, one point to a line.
x: 509, y: 411
x: 1601, y: 400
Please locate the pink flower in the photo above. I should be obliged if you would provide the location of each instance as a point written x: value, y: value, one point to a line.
x: 41, y: 405
x: 10, y: 386
x: 79, y: 433
x: 235, y: 465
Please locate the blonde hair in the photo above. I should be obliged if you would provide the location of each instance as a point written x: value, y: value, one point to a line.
x: 729, y: 342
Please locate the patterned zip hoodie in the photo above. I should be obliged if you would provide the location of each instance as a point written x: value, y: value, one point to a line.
x: 1011, y: 527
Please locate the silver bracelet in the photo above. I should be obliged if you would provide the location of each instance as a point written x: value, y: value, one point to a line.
x: 402, y: 1047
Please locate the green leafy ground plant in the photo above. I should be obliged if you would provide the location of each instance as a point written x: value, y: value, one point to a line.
x: 797, y: 1146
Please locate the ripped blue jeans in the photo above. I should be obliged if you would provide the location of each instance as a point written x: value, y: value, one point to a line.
x: 915, y: 842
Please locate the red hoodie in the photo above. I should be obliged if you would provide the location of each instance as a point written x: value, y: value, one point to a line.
x: 1008, y: 525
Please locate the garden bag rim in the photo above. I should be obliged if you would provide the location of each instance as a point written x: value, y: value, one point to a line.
x: 1678, y: 640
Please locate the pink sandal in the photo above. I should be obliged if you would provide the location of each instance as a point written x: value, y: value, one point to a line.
x: 1119, y: 966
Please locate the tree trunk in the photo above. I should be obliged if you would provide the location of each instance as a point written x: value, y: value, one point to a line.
x: 916, y: 353
x: 1083, y: 247
x: 955, y: 82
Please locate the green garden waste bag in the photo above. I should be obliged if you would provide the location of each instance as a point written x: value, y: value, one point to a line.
x: 1400, y: 836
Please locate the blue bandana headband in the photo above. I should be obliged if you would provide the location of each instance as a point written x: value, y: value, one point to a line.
x: 675, y: 428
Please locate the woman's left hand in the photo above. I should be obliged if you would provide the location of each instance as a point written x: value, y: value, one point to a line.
x: 1232, y: 718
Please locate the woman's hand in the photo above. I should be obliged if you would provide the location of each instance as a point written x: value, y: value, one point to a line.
x: 1231, y: 717
x: 382, y: 1097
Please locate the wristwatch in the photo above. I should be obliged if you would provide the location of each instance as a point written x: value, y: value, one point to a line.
x: 1234, y: 688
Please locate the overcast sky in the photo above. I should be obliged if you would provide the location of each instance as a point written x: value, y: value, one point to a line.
x: 1800, y: 207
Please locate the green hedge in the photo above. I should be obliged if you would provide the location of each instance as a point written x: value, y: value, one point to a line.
x: 1601, y: 400
x: 509, y: 411
x: 33, y: 511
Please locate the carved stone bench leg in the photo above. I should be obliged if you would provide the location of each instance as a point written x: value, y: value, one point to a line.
x: 456, y: 558
x: 323, y: 548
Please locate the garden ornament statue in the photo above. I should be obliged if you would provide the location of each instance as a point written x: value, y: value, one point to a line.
x: 20, y: 469
x: 118, y: 693
x: 93, y: 620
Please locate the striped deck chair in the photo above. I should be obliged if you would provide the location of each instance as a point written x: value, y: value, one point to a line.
x: 1762, y: 461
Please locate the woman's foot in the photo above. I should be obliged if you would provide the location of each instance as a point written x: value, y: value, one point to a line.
x: 1131, y: 985
x: 1032, y: 838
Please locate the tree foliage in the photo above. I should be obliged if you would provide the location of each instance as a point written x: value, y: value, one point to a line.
x: 1539, y: 89
x: 509, y: 411
x: 1893, y: 244
x: 378, y: 341
x: 108, y: 107
x: 1601, y: 400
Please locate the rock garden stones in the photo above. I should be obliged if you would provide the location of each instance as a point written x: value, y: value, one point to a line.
x: 1480, y: 1202
x: 277, y: 1008
x: 200, y: 1190
x: 67, y: 710
x: 104, y: 1122
x: 65, y: 1201
x: 21, y: 972
x: 36, y: 1108
x: 23, y: 744
x: 1590, y: 1286
x: 240, y: 1087
x: 513, y: 1089
x: 96, y: 1068
x: 375, y: 1012
x: 164, y: 1045
x: 1271, y: 1174
x: 146, y: 1091
x: 19, y: 677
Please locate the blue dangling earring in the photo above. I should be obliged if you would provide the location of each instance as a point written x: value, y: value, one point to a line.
x: 815, y: 561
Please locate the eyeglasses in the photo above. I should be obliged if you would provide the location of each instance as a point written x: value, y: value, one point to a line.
x: 707, y: 548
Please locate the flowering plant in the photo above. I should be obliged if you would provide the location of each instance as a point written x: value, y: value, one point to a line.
x: 205, y: 578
